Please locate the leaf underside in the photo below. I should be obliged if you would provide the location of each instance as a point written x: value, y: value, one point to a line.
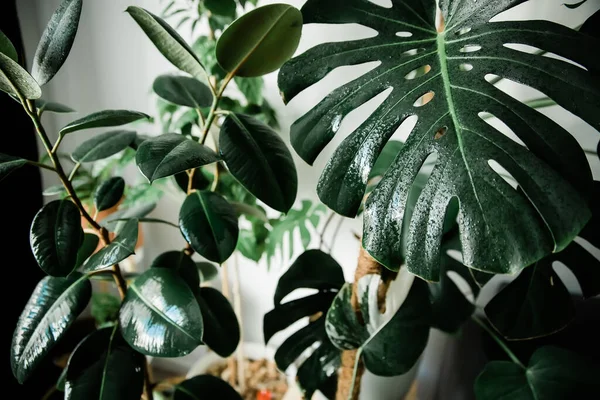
x: 441, y: 79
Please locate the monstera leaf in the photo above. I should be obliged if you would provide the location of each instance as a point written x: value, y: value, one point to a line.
x: 312, y: 270
x: 442, y: 79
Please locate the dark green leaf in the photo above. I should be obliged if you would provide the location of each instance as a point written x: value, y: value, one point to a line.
x: 168, y: 154
x: 7, y: 48
x: 168, y: 42
x: 319, y: 370
x: 119, y: 249
x: 87, y: 248
x: 209, y: 223
x: 9, y: 164
x: 225, y: 8
x: 198, y: 387
x: 552, y: 374
x: 105, y: 308
x: 221, y: 327
x: 181, y: 263
x: 103, y: 146
x: 183, y: 91
x: 390, y: 343
x: 200, y: 181
x: 15, y: 80
x: 109, y: 193
x: 207, y: 271
x: 314, y: 269
x: 415, y: 61
x: 53, y: 306
x: 103, y: 119
x: 260, y: 41
x: 104, y: 367
x: 57, y: 40
x: 251, y: 88
x: 55, y: 237
x: 160, y: 316
x: 260, y: 160
x: 43, y: 105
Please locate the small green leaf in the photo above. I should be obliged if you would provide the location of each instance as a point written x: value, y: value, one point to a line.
x: 103, y: 146
x: 168, y: 154
x: 207, y: 271
x: 552, y: 374
x: 225, y: 8
x: 15, y: 80
x: 105, y: 308
x: 57, y: 40
x: 109, y: 193
x: 183, y: 91
x: 8, y: 164
x: 221, y: 327
x: 260, y: 41
x: 198, y: 386
x: 87, y: 248
x: 43, y: 105
x: 55, y: 237
x: 181, y: 263
x: 119, y: 249
x: 251, y: 88
x: 104, y: 367
x: 260, y: 160
x: 209, y: 223
x: 160, y: 316
x: 103, y: 119
x: 168, y: 42
x: 7, y: 48
x: 53, y: 306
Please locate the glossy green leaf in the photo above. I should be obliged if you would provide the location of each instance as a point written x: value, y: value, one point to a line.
x: 87, y: 248
x: 8, y: 164
x: 440, y: 79
x: 109, y: 193
x: 225, y: 8
x: 260, y: 41
x: 207, y: 271
x: 552, y: 374
x: 221, y: 327
x: 103, y: 119
x: 7, y: 48
x: 181, y: 263
x: 183, y: 91
x: 55, y: 237
x: 312, y: 270
x: 57, y: 40
x: 104, y: 367
x: 103, y: 146
x: 209, y: 223
x: 43, y: 105
x: 168, y: 154
x: 391, y: 342
x: 168, y: 42
x: 15, y: 80
x: 251, y: 88
x: 53, y: 306
x: 160, y: 316
x: 199, y: 386
x: 105, y: 308
x: 119, y: 249
x: 260, y: 160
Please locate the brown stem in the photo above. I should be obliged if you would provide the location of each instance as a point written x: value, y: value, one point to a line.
x: 352, y: 369
x: 148, y: 382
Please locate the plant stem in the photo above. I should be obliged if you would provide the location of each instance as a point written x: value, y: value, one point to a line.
x: 500, y: 342
x: 237, y: 308
x: 40, y: 165
x: 74, y: 171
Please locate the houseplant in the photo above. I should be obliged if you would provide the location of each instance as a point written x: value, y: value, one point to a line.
x: 164, y: 311
x: 516, y: 219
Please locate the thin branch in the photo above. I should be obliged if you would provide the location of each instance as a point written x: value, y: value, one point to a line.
x: 322, y: 234
x: 336, y: 233
x: 149, y: 220
x: 500, y: 342
x: 40, y: 165
x: 74, y: 171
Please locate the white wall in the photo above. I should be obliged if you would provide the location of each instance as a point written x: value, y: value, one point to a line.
x: 113, y: 64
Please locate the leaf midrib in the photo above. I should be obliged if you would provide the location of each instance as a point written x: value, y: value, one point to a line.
x: 210, y: 223
x: 105, y: 368
x: 134, y: 288
x: 168, y: 155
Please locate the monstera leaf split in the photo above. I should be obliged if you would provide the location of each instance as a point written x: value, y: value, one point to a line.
x: 442, y: 78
